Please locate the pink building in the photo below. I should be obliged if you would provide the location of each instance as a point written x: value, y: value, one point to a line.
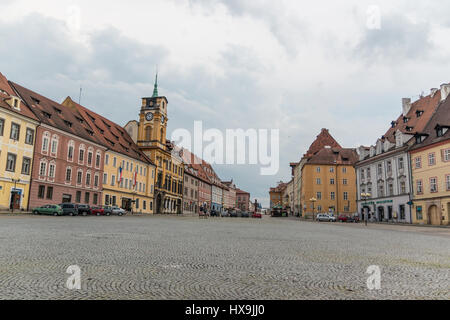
x: 68, y: 158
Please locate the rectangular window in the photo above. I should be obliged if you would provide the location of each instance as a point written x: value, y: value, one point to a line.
x: 41, y: 192
x: 26, y: 165
x: 431, y: 159
x: 43, y: 169
x: 105, y: 178
x: 107, y: 200
x: 433, y: 185
x: 380, y: 169
x: 419, y: 212
x: 97, y: 161
x: 79, y: 177
x: 389, y: 166
x: 2, y: 126
x: 344, y: 170
x: 94, y: 198
x: 11, y: 162
x: 68, y: 174
x: 54, y: 146
x: 402, y: 187
x: 114, y: 162
x: 88, y: 179
x: 106, y: 159
x: 318, y: 169
x: 331, y: 169
x: 345, y: 195
x: 333, y: 196
x: 96, y: 181
x: 70, y: 153
x: 318, y: 181
x: 447, y: 181
x: 81, y: 158
x: 418, y: 162
x: 29, y: 138
x: 114, y: 200
x: 113, y: 180
x: 144, y: 205
x: 447, y: 155
x: 51, y: 170
x: 401, y: 164
x: 419, y: 186
x: 15, y: 131
x: 89, y: 160
x: 137, y: 203
x: 345, y: 182
x: 86, y: 197
x: 49, y: 193
x: 78, y: 197
x: 319, y: 195
x: 331, y: 181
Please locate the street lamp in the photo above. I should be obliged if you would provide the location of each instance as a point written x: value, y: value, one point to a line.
x: 313, y: 200
x: 365, y: 196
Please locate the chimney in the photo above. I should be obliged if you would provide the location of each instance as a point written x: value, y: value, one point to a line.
x: 406, y: 105
x: 433, y: 91
x: 445, y: 91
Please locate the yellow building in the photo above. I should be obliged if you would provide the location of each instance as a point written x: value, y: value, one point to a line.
x: 276, y: 195
x: 430, y: 162
x: 128, y: 174
x: 150, y: 135
x: 128, y: 183
x: 17, y: 139
x: 328, y: 178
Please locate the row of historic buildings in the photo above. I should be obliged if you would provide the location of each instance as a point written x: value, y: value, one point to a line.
x: 54, y: 153
x: 404, y: 177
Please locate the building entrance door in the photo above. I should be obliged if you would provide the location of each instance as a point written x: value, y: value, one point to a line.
x: 389, y: 212
x: 434, y: 216
x: 380, y: 213
x: 15, y: 200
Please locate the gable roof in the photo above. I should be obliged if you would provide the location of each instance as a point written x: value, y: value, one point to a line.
x: 334, y: 156
x: 427, y: 105
x: 6, y: 93
x: 441, y: 117
x: 322, y: 140
x: 110, y: 134
x: 56, y: 115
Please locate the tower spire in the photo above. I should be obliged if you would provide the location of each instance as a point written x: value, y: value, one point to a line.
x: 155, y: 90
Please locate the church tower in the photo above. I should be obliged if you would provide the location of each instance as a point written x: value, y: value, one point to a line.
x: 153, y: 120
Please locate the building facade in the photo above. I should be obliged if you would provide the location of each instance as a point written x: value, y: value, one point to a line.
x: 150, y: 135
x: 384, y: 170
x: 17, y: 139
x: 68, y: 157
x: 430, y: 161
x: 191, y: 190
x: 128, y: 177
x: 230, y: 195
x: 243, y: 200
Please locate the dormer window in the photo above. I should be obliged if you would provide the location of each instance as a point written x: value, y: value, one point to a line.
x: 405, y: 119
x: 420, y: 137
x: 91, y: 133
x: 419, y: 113
x: 46, y: 114
x: 57, y: 110
x: 409, y: 129
x: 16, y: 103
x: 68, y: 123
x: 441, y: 130
x: 393, y: 124
x: 80, y: 119
x: 36, y: 101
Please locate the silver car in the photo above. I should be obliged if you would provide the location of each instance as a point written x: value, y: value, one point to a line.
x: 325, y: 217
x: 118, y: 211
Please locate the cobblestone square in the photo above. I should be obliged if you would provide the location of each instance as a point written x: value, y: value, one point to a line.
x: 162, y: 257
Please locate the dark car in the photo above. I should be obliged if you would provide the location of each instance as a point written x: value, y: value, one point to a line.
x: 245, y: 214
x: 84, y: 209
x: 70, y: 209
x: 233, y: 214
x: 107, y: 210
x: 214, y: 213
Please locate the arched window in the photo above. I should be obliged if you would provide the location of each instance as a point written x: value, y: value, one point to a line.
x: 148, y: 133
x: 81, y: 150
x: 90, y: 156
x: 162, y: 135
x: 54, y: 146
x: 70, y: 150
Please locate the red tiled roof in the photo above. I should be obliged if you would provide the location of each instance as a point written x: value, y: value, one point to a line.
x: 109, y: 133
x: 6, y: 92
x: 322, y: 140
x: 56, y: 115
x: 334, y: 156
x: 241, y: 191
x: 426, y: 104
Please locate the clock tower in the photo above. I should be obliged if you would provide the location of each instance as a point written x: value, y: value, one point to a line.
x: 150, y: 135
x: 153, y: 120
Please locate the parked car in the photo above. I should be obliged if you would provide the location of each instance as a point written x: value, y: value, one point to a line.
x: 98, y: 211
x: 257, y: 215
x: 348, y: 218
x: 323, y: 217
x: 84, y: 209
x: 214, y: 213
x: 233, y: 214
x: 332, y: 218
x: 224, y: 214
x: 107, y: 210
x: 49, y: 209
x: 245, y: 214
x: 118, y: 211
x: 69, y: 209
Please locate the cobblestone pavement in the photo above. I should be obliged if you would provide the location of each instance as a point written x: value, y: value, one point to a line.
x: 218, y: 258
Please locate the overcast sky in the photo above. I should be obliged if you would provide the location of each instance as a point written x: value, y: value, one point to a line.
x: 297, y: 66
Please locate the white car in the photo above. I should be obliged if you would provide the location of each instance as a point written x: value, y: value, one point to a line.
x: 118, y: 211
x: 325, y: 217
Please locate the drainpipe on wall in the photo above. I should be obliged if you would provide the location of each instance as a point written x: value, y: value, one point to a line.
x: 410, y: 186
x: 31, y: 167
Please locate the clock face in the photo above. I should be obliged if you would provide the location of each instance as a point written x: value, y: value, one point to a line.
x: 162, y: 119
x: 149, y: 116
